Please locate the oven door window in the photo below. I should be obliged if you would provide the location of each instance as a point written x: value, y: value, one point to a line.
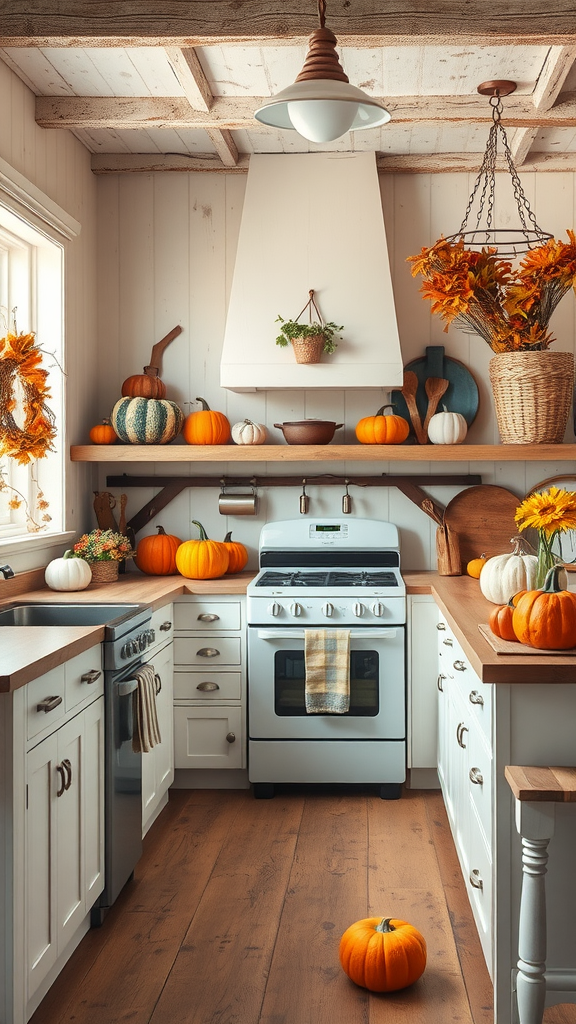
x: 289, y: 682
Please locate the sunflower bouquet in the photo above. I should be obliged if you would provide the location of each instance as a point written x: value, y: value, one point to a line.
x: 481, y: 293
x: 550, y: 513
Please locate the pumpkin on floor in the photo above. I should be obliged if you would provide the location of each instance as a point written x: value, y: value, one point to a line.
x: 156, y: 555
x: 202, y: 559
x: 237, y: 554
x: 383, y: 954
x: 383, y: 428
x: 206, y: 426
x: 546, y: 618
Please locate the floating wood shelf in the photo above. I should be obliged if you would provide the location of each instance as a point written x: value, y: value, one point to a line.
x: 324, y: 453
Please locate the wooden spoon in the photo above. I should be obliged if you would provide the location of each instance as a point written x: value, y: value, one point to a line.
x: 408, y: 390
x: 435, y: 388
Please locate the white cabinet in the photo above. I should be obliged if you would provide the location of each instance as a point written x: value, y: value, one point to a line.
x: 209, y: 683
x: 158, y: 763
x: 421, y: 664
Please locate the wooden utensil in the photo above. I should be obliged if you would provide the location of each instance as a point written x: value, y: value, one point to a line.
x: 408, y: 392
x: 435, y: 388
x: 482, y: 517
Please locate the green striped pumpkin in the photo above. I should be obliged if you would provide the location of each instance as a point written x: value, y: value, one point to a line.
x: 146, y: 420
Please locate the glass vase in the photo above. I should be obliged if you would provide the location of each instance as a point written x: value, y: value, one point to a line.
x: 546, y: 559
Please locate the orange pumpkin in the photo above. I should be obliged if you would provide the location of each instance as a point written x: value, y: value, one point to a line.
x: 382, y: 428
x: 383, y: 954
x: 237, y: 554
x: 202, y: 559
x: 500, y: 621
x: 103, y: 433
x: 475, y: 566
x: 156, y: 555
x: 206, y: 426
x: 546, y: 618
x: 144, y: 385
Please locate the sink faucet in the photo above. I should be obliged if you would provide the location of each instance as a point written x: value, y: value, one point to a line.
x: 7, y: 571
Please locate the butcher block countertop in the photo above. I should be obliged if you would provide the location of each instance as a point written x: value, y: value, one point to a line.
x: 28, y: 651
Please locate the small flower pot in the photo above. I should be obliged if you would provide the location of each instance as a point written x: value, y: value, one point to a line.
x: 104, y: 572
x: 308, y: 350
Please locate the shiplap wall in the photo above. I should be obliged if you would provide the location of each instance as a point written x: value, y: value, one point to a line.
x: 59, y: 165
x: 166, y: 255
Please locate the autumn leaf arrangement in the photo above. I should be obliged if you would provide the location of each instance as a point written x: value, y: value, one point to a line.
x: 481, y: 293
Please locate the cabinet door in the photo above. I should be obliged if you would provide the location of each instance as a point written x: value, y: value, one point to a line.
x: 93, y: 779
x: 41, y: 856
x: 422, y: 680
x: 158, y: 763
x: 208, y: 737
x: 70, y: 812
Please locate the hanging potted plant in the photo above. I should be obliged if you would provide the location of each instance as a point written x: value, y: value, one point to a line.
x: 309, y: 340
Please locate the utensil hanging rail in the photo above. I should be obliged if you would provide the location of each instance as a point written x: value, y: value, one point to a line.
x: 171, y: 486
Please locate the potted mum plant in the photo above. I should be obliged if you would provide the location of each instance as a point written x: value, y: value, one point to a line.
x: 510, y: 308
x: 308, y: 340
x: 103, y: 550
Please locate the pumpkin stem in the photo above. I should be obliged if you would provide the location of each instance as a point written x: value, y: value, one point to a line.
x: 151, y: 371
x: 382, y: 407
x: 68, y: 554
x: 522, y: 546
x: 385, y: 925
x: 203, y: 534
x: 161, y: 531
x: 552, y: 581
x: 228, y: 537
x: 205, y: 406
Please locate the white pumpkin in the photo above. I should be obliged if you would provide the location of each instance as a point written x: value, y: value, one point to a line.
x: 447, y: 428
x: 248, y: 432
x: 502, y: 576
x: 68, y: 574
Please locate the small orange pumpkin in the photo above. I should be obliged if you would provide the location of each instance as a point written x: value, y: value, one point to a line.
x: 383, y: 954
x: 156, y: 555
x: 546, y: 618
x: 383, y: 428
x: 206, y: 426
x: 144, y: 385
x: 237, y: 554
x: 500, y: 621
x: 103, y: 433
x: 202, y: 559
x: 474, y: 567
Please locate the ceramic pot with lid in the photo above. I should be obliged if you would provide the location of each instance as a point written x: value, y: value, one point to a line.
x: 308, y: 431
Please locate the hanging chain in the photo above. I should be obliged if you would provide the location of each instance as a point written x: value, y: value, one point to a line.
x: 322, y: 13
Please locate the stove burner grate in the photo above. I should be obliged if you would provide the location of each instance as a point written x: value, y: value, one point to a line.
x: 332, y: 578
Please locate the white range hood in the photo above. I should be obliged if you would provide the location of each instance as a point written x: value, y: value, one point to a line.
x: 312, y: 221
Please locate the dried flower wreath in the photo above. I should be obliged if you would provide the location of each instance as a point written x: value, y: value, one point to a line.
x: 20, y: 372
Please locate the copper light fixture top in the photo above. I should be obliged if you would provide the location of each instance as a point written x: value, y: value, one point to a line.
x: 498, y: 87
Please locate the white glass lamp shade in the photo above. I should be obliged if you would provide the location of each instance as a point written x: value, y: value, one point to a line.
x: 322, y: 110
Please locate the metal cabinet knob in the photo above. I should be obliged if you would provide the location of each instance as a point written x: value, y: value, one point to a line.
x: 62, y: 773
x: 476, y: 698
x: 440, y: 625
x: 207, y: 687
x: 48, y: 704
x: 459, y: 665
x: 208, y: 652
x: 448, y: 641
x: 460, y: 735
x: 208, y: 617
x: 476, y: 879
x: 68, y: 768
x: 165, y: 627
x: 441, y: 676
x: 230, y: 737
x: 475, y: 776
x: 91, y: 676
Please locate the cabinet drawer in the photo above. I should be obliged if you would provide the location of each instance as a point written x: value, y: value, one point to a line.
x: 201, y: 616
x: 84, y: 677
x: 479, y: 768
x: 478, y: 879
x: 207, y: 651
x: 162, y: 623
x: 51, y: 689
x: 208, y: 737
x: 207, y: 686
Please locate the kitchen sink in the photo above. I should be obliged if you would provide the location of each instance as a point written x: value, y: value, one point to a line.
x: 69, y: 614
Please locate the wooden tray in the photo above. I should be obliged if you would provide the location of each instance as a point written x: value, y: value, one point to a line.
x: 482, y: 517
x: 509, y: 647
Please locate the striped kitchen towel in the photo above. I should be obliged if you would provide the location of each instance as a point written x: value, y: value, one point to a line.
x: 327, y: 664
x: 146, y: 729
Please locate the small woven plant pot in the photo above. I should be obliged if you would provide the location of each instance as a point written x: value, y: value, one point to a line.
x: 104, y: 572
x: 308, y: 350
x: 532, y: 394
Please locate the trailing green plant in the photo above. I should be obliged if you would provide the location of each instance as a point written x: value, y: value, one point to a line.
x: 291, y: 329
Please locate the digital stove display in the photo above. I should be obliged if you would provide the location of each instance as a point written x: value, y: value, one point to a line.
x: 320, y: 530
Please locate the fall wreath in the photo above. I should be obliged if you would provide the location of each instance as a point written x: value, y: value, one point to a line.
x: 22, y: 376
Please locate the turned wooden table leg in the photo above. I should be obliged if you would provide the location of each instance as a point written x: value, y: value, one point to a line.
x: 535, y: 823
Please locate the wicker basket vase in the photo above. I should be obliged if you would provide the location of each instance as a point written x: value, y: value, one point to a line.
x: 308, y: 350
x: 532, y: 394
x: 104, y: 572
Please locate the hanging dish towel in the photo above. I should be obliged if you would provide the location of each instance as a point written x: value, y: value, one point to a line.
x: 327, y: 665
x: 146, y: 729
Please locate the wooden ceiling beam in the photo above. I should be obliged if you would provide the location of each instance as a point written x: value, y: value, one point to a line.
x: 235, y: 112
x: 551, y: 79
x: 189, y: 72
x: 217, y: 22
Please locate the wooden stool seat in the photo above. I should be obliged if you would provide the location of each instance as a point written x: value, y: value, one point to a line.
x: 537, y: 789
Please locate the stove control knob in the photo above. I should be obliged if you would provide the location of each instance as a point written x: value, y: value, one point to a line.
x: 124, y: 651
x: 274, y: 608
x: 328, y: 610
x: 295, y: 608
x: 378, y: 609
x: 358, y: 609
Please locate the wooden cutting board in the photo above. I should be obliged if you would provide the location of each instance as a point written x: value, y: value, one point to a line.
x: 482, y: 517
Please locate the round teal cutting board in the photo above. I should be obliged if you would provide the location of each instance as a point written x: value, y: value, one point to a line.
x: 460, y: 396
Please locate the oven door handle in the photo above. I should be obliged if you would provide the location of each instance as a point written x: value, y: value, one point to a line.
x: 299, y: 634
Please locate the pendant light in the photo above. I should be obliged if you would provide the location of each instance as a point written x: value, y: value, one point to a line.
x: 321, y: 105
x: 508, y: 242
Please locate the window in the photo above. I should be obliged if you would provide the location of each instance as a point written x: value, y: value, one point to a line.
x: 31, y: 296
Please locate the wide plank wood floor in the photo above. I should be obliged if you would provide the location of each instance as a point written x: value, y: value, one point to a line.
x: 237, y: 907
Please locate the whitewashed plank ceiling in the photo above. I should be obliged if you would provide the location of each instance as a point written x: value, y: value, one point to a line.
x: 168, y: 103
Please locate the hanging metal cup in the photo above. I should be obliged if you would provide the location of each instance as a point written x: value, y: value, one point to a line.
x: 237, y: 504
